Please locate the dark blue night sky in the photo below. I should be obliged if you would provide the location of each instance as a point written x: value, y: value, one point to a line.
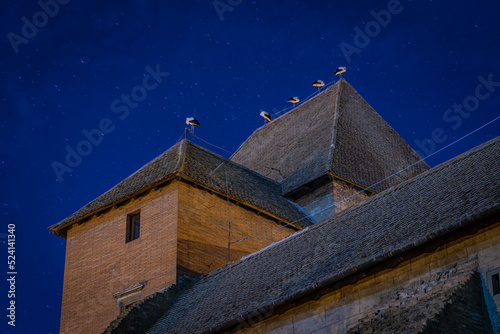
x: 137, y: 69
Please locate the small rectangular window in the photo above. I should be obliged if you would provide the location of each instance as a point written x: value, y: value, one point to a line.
x: 133, y: 226
x: 495, y: 284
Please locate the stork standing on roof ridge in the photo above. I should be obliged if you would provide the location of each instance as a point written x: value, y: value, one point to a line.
x: 340, y: 70
x: 293, y: 100
x: 193, y: 122
x: 318, y: 83
x: 266, y: 116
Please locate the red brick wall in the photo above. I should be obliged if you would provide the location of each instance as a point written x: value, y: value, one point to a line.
x: 203, y: 230
x: 99, y: 262
x: 183, y: 229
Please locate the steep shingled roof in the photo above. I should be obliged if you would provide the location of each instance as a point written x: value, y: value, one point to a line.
x: 335, y: 131
x: 450, y: 196
x: 194, y: 163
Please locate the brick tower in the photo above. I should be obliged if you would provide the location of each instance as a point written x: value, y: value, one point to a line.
x: 165, y: 221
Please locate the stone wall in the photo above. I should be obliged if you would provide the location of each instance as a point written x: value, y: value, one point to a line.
x: 414, y: 289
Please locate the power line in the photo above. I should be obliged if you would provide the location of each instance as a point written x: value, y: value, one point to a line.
x: 183, y: 135
x: 206, y: 142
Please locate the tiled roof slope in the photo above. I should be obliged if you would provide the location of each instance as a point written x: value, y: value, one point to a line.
x: 152, y: 173
x: 297, y: 142
x: 243, y: 184
x: 194, y: 163
x: 451, y: 195
x: 335, y: 131
x: 366, y: 148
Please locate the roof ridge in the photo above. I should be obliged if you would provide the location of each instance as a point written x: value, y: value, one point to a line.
x: 182, y: 155
x: 260, y: 128
x: 337, y: 130
x: 334, y: 127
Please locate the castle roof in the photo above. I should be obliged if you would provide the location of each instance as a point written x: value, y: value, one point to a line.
x: 194, y: 163
x: 335, y: 132
x: 453, y: 195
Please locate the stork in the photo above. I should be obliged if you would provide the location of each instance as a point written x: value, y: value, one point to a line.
x: 266, y: 116
x: 318, y: 83
x: 293, y: 100
x: 340, y: 70
x: 193, y: 122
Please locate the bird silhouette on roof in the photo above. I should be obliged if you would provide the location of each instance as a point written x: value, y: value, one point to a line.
x: 318, y: 83
x: 266, y: 116
x: 293, y: 100
x: 193, y: 122
x: 340, y: 70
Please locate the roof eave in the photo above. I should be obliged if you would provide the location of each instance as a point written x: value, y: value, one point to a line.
x: 249, y: 205
x: 59, y: 229
x: 368, y: 189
